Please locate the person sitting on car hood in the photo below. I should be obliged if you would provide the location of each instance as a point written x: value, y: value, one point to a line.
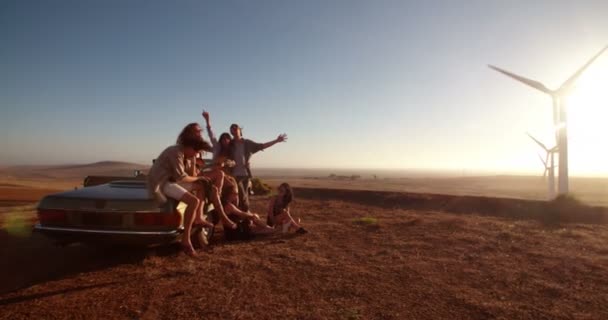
x: 169, y: 177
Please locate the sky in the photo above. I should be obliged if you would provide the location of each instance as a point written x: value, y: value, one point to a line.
x: 354, y: 84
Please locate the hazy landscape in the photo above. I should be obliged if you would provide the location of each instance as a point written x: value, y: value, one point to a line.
x: 399, y: 250
x: 593, y: 191
x: 446, y: 158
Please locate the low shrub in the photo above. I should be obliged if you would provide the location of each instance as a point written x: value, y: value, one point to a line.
x: 259, y: 187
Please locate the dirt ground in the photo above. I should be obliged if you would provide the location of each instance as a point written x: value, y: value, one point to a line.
x: 369, y: 255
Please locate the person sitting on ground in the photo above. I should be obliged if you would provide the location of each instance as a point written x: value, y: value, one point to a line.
x: 193, y: 131
x: 169, y: 177
x: 231, y: 199
x: 278, y: 211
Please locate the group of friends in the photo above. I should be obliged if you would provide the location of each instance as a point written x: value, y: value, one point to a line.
x: 180, y: 173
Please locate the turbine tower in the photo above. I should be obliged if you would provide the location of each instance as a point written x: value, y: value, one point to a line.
x: 549, y: 164
x: 559, y: 114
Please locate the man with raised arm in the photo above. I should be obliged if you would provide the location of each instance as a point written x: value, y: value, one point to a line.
x: 241, y: 151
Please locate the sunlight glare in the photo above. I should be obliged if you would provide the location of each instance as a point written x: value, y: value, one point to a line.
x: 587, y: 109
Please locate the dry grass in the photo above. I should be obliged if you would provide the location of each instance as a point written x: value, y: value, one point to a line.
x: 420, y: 260
x: 366, y: 221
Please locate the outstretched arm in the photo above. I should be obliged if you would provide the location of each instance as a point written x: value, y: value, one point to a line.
x: 191, y: 179
x: 281, y: 138
x: 232, y: 209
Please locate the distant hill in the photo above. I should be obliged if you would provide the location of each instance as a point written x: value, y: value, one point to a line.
x: 73, y: 171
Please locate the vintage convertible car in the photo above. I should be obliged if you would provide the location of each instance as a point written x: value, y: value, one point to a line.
x: 113, y: 210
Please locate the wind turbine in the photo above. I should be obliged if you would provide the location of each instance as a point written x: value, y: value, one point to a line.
x: 559, y: 114
x: 549, y: 166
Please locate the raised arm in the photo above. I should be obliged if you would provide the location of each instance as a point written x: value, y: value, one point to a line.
x: 281, y: 138
x: 212, y: 137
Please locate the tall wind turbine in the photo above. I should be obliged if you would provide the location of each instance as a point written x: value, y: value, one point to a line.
x: 549, y: 164
x: 559, y: 114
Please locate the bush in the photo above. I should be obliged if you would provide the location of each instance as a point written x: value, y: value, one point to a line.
x: 259, y: 187
x: 569, y: 209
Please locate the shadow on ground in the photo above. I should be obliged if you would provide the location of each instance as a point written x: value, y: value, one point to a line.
x: 30, y: 259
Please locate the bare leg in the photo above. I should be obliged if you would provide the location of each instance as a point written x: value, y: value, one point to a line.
x: 293, y: 221
x: 192, y: 203
x: 287, y: 222
x: 200, y: 194
x: 217, y: 177
x: 261, y: 226
x: 259, y: 222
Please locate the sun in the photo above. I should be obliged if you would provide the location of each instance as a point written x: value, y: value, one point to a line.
x: 587, y: 109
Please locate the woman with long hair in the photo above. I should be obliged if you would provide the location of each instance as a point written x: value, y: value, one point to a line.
x: 221, y: 155
x: 169, y: 177
x: 221, y: 146
x: 278, y: 211
x: 193, y: 131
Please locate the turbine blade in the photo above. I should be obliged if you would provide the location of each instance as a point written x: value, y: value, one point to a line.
x: 532, y: 83
x: 545, y: 172
x: 538, y: 142
x: 543, y: 161
x: 570, y: 82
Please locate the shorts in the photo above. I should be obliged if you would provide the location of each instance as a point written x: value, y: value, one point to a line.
x: 176, y: 190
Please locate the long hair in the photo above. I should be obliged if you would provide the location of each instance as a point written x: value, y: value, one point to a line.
x: 288, y: 196
x: 188, y: 132
x: 225, y: 151
x: 190, y: 138
x: 196, y: 143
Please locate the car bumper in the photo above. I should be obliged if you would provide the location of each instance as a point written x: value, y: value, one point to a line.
x: 135, y: 237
